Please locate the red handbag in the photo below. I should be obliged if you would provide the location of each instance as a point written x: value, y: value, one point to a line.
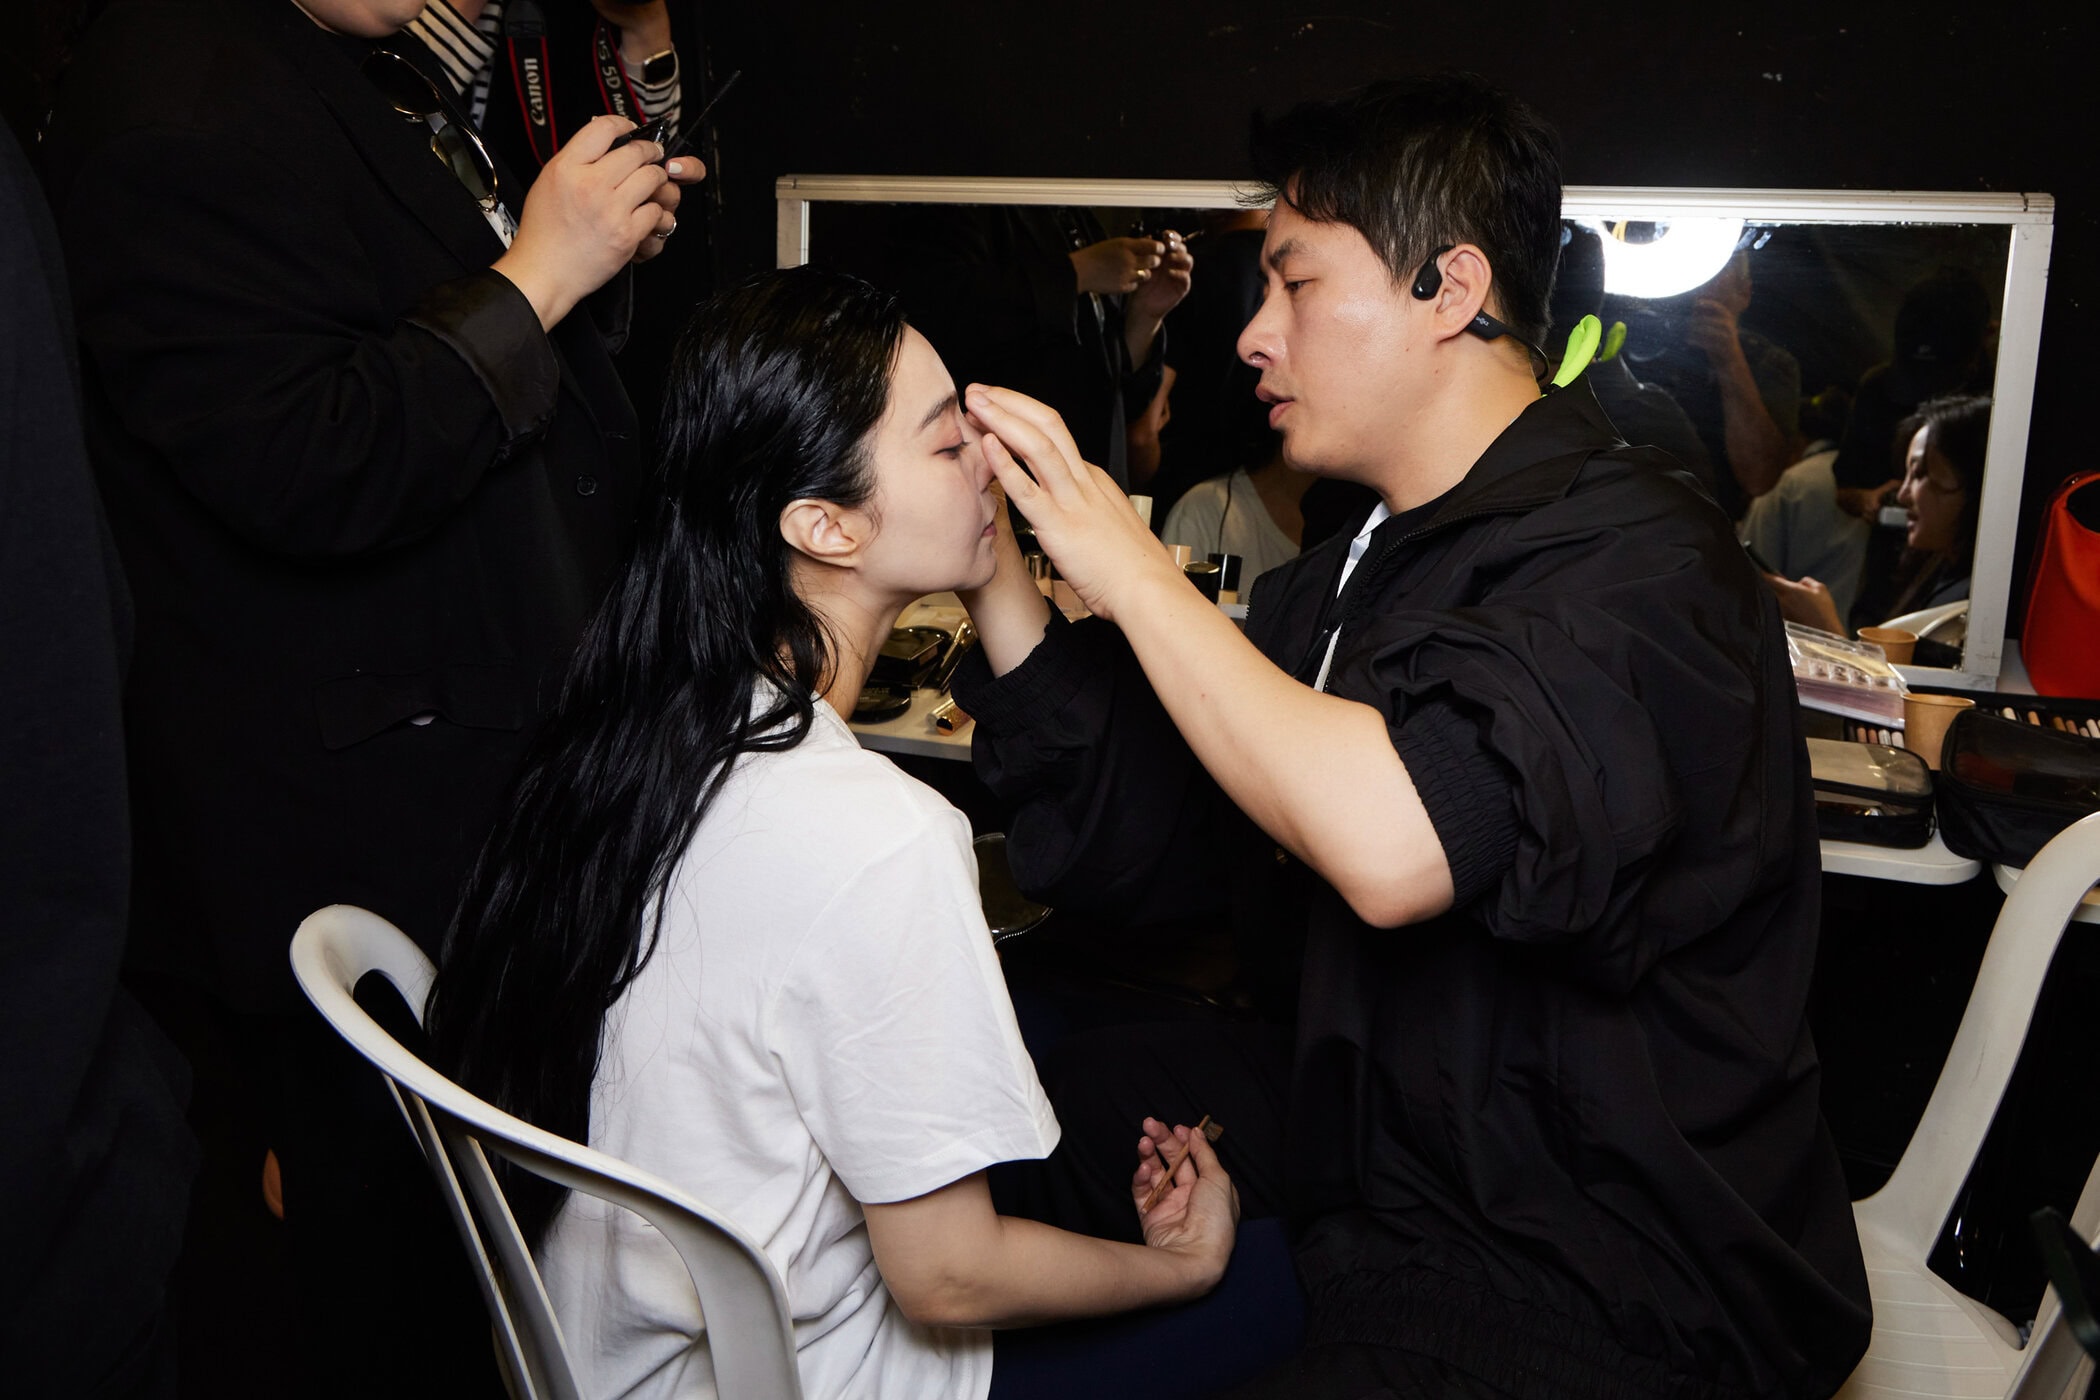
x: 2060, y: 640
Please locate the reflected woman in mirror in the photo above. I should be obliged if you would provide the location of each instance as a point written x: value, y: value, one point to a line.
x: 1942, y: 488
x: 715, y: 938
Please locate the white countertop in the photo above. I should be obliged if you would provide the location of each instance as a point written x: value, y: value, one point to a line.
x: 1929, y: 864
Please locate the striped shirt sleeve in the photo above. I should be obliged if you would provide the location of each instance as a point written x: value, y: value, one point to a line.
x: 461, y: 48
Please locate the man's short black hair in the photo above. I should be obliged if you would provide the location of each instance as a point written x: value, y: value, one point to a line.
x: 1415, y: 163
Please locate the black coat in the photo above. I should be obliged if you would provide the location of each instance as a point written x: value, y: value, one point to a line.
x: 1566, y: 1136
x: 353, y: 482
x: 95, y: 1162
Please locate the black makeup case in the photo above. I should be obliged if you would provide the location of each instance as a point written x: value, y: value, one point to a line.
x: 1874, y: 793
x: 1870, y: 792
x: 908, y: 657
x: 2006, y: 787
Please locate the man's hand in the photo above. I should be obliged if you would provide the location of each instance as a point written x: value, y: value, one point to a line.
x: 1200, y: 1214
x: 592, y: 211
x: 1081, y: 517
x: 1117, y: 265
x: 1714, y: 329
x: 1316, y: 772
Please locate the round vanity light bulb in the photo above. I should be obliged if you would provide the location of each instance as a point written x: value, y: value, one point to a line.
x: 1686, y: 255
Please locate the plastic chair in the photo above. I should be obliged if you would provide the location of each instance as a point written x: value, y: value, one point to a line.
x: 1929, y: 1339
x: 749, y: 1335
x: 1007, y: 912
x: 2074, y: 1272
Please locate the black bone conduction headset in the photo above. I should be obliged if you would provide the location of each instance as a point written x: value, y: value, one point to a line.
x: 1430, y: 280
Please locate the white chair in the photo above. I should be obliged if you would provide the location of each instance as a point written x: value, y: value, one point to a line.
x: 749, y: 1336
x: 1929, y: 1339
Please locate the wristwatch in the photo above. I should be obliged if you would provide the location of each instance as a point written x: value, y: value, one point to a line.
x: 660, y: 67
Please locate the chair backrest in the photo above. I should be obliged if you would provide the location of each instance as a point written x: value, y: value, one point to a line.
x: 749, y: 1333
x: 2055, y: 1364
x: 1919, y: 1195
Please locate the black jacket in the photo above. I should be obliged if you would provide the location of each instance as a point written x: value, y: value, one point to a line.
x: 1566, y: 1136
x: 353, y: 482
x: 96, y: 1162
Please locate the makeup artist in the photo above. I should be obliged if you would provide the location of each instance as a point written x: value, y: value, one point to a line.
x: 351, y: 401
x: 1514, y: 760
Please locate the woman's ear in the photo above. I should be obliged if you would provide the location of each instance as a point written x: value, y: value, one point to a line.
x: 826, y: 532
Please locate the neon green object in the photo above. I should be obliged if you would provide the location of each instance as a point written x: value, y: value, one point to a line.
x: 1614, y: 342
x: 1582, y: 348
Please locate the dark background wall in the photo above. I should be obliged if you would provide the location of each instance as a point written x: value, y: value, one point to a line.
x: 1644, y: 92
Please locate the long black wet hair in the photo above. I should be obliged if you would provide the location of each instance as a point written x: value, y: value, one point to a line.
x: 775, y: 389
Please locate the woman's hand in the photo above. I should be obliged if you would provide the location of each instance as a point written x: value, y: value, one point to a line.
x: 1806, y: 602
x: 1009, y: 611
x: 1116, y: 264
x: 1865, y: 502
x: 1171, y: 278
x: 686, y: 170
x: 1200, y: 1214
x: 587, y: 216
x: 1081, y: 517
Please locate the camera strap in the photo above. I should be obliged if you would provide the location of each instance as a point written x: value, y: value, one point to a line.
x: 531, y: 78
x: 532, y: 75
x: 614, y: 86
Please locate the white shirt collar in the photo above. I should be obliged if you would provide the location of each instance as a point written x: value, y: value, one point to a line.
x: 1380, y: 513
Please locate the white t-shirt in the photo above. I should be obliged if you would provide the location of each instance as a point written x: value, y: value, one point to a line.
x: 823, y: 1022
x: 1798, y: 529
x: 1200, y: 521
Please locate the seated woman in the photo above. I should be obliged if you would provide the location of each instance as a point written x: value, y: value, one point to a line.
x: 1942, y: 488
x: 716, y: 938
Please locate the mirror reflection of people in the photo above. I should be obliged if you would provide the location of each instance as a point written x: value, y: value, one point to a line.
x: 1941, y: 492
x: 718, y: 939
x: 1644, y: 414
x: 1474, y: 782
x: 1746, y: 404
x: 1144, y: 437
x: 1253, y: 511
x: 1211, y: 384
x: 1798, y: 528
x: 1042, y: 298
x: 1941, y: 348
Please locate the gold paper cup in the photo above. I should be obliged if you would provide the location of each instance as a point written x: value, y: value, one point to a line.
x: 1926, y: 719
x: 1895, y: 643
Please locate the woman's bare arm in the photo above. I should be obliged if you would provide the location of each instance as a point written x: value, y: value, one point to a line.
x: 950, y: 1260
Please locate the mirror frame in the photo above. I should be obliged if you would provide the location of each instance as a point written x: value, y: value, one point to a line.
x: 2031, y: 218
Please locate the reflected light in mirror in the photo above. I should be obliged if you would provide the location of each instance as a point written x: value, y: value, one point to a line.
x: 1685, y: 254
